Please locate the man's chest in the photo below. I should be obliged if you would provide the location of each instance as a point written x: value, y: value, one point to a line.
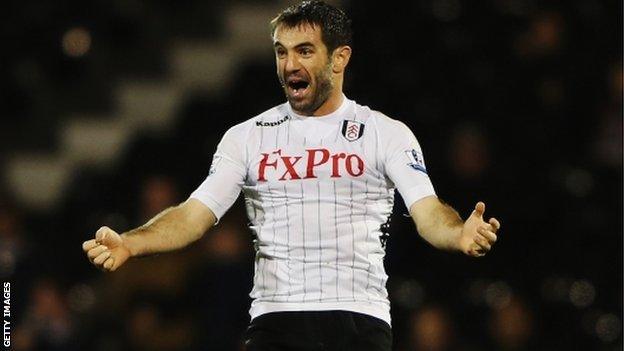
x: 288, y: 154
x: 288, y: 164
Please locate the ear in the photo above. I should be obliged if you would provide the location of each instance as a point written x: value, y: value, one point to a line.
x: 340, y: 58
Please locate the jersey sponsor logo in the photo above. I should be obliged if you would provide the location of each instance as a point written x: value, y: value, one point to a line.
x: 272, y: 124
x: 305, y: 166
x: 352, y: 130
x: 417, y: 161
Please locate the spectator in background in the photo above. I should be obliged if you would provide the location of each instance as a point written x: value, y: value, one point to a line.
x: 431, y: 328
x: 543, y: 38
x: 511, y: 326
x: 148, y: 329
x: 608, y: 138
x: 13, y: 249
x: 469, y: 161
x: 164, y: 275
x: 17, y: 258
x: 469, y: 155
x: 221, y: 286
x: 157, y: 192
x: 47, y: 323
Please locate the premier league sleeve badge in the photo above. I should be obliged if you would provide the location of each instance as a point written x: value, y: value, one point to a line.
x: 416, y: 160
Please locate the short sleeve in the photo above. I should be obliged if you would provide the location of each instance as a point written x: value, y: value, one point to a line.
x: 404, y: 162
x: 226, y: 176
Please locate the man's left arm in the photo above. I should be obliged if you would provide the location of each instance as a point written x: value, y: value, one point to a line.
x: 438, y: 223
x: 441, y: 226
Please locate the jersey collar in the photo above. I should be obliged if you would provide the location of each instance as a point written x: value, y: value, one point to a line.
x: 340, y: 111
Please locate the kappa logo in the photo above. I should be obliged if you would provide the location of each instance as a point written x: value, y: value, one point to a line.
x: 352, y: 130
x: 417, y: 161
x: 272, y: 124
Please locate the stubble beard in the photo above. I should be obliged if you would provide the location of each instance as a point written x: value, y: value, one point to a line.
x: 321, y: 94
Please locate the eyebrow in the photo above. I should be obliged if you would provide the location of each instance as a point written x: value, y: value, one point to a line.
x: 307, y: 43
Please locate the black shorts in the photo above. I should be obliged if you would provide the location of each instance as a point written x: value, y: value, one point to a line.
x: 317, y: 330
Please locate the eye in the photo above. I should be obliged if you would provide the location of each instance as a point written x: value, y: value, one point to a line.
x: 280, y: 52
x: 306, y: 52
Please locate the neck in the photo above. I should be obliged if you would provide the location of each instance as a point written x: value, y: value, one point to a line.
x: 330, y: 105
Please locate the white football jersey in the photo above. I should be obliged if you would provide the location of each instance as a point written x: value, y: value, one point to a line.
x: 318, y: 191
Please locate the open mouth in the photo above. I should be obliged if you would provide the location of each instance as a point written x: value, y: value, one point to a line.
x: 297, y: 87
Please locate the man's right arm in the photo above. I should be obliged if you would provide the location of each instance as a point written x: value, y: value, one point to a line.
x: 172, y: 229
x: 178, y: 226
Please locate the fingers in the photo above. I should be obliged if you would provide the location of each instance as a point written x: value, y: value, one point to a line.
x: 101, y: 234
x: 96, y: 251
x: 101, y: 258
x: 105, y: 260
x: 483, y: 243
x: 495, y: 223
x: 88, y: 245
x: 100, y: 250
x: 476, y: 251
x: 489, y: 235
x: 100, y: 255
x: 479, y: 209
x: 109, y: 264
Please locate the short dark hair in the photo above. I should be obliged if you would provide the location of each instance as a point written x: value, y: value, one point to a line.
x: 335, y: 25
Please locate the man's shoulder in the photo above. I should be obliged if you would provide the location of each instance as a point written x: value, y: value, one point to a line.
x: 383, y: 122
x: 272, y: 117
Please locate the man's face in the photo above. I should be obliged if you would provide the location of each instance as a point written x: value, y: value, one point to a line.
x: 303, y: 67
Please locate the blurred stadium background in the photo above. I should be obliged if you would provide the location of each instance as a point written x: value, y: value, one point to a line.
x: 111, y: 111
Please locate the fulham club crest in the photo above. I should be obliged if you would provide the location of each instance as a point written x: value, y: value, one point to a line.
x: 352, y: 130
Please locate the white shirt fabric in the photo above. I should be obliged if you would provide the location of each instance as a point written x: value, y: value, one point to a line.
x: 317, y: 190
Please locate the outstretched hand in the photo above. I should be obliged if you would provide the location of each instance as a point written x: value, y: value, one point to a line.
x: 478, y: 236
x: 107, y: 251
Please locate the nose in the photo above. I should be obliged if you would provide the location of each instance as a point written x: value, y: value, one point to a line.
x: 292, y: 63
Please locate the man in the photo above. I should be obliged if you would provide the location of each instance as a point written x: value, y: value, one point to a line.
x: 318, y: 174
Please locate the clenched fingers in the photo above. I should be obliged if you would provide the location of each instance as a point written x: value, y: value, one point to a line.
x: 101, y: 258
x: 489, y: 235
x: 495, y: 224
x: 477, y: 251
x: 483, y: 243
x: 89, y: 244
x: 96, y: 251
x: 109, y: 263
